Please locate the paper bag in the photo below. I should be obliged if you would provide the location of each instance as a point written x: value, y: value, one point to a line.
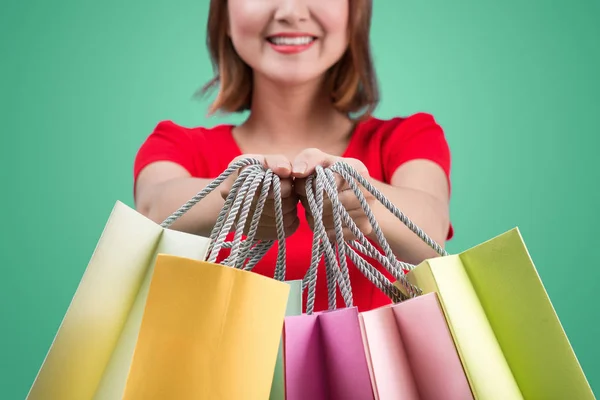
x: 91, y: 352
x: 208, y: 332
x: 510, y: 340
x: 325, y: 357
x: 411, y: 353
x: 294, y: 307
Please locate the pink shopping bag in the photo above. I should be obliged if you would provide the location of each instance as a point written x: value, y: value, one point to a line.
x: 325, y: 357
x: 411, y: 353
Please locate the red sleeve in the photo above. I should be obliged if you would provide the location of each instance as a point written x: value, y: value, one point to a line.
x: 168, y: 142
x: 416, y: 137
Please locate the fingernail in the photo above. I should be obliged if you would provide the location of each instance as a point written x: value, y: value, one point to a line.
x: 299, y: 167
x: 283, y: 165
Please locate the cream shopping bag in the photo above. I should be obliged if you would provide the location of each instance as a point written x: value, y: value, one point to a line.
x: 93, y: 348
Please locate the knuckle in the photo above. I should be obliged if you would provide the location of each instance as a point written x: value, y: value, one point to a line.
x: 291, y: 228
x: 274, y: 158
x: 310, y: 153
x: 289, y: 220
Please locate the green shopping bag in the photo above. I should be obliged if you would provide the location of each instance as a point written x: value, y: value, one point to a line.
x: 510, y: 340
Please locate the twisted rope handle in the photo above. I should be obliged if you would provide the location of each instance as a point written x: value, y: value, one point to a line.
x: 347, y: 172
x: 325, y: 180
x: 235, y: 212
x: 321, y: 245
x: 240, y: 201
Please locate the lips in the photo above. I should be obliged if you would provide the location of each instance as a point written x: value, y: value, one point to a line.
x: 291, y: 40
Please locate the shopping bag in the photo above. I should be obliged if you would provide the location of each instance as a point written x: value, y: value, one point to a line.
x: 510, y: 340
x: 325, y: 357
x: 411, y: 353
x: 209, y: 331
x: 294, y: 307
x: 91, y: 352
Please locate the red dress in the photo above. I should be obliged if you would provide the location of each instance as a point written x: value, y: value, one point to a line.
x: 382, y: 145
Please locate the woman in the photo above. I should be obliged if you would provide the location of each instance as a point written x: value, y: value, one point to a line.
x: 303, y: 69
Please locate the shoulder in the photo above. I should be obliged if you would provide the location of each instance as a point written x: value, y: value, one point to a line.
x: 169, y: 129
x: 191, y: 147
x: 195, y: 140
x: 404, y: 126
x: 390, y: 143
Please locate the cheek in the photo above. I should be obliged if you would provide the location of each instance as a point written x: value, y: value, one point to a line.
x: 333, y: 15
x: 247, y: 19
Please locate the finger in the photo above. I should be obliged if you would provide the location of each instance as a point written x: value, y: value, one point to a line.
x: 279, y: 164
x: 305, y: 163
x: 327, y: 207
x: 309, y: 219
x: 357, y: 165
x: 267, y: 221
x: 354, y: 209
x: 348, y: 200
x: 292, y: 227
x: 259, y: 157
x: 288, y: 206
x: 224, y: 193
x: 300, y: 187
x: 286, y: 188
x: 225, y: 187
x: 340, y: 183
x: 361, y: 222
x: 228, y: 183
x: 265, y: 232
x: 347, y: 235
x: 305, y: 205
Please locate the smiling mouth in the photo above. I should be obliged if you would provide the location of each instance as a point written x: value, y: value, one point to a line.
x: 291, y: 41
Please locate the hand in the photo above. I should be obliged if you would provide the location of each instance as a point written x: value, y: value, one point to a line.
x: 281, y: 167
x: 305, y: 164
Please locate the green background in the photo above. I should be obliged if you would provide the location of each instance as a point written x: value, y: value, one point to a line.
x: 514, y: 83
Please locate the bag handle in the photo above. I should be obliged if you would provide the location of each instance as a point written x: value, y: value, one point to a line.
x: 235, y: 212
x: 324, y: 180
x: 321, y: 245
x: 241, y: 197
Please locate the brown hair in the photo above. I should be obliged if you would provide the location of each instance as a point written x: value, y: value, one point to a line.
x: 352, y: 81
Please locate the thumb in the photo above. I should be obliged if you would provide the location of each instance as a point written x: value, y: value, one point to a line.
x: 306, y: 162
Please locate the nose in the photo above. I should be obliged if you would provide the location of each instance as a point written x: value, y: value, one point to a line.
x: 291, y: 11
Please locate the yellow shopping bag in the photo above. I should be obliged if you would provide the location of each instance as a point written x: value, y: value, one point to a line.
x: 91, y: 355
x: 212, y: 331
x: 208, y: 332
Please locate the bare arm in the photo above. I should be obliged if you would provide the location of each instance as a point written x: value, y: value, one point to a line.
x: 162, y: 187
x: 420, y: 190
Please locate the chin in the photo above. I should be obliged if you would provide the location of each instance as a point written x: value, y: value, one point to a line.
x: 290, y: 78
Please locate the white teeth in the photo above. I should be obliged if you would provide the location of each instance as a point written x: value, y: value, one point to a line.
x: 291, y: 41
